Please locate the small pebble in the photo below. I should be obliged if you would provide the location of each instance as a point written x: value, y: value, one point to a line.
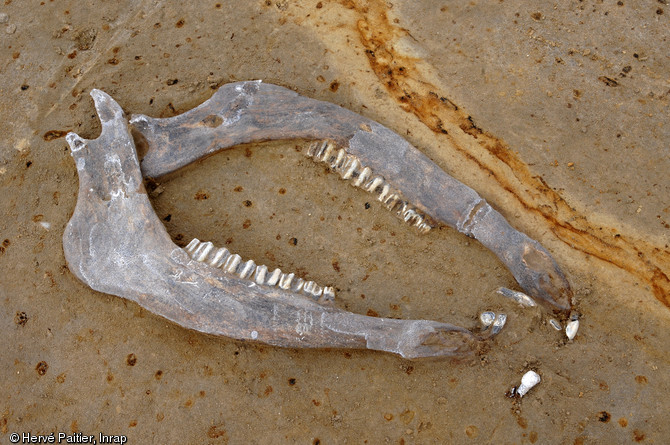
x: 4, y: 18
x: 10, y: 29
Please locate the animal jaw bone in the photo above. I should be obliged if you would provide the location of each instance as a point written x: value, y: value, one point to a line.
x: 407, y: 181
x: 116, y: 244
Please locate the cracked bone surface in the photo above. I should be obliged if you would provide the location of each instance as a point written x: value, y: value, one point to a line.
x: 363, y: 152
x: 116, y: 244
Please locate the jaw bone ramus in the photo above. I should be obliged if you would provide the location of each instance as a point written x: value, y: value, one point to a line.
x: 116, y: 244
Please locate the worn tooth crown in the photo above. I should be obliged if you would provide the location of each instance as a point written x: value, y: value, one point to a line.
x: 349, y: 167
x: 206, y: 252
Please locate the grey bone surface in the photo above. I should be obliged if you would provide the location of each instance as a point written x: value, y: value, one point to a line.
x: 116, y: 244
x: 244, y: 112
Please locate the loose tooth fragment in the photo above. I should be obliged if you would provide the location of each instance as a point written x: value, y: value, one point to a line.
x: 572, y: 327
x: 499, y: 323
x: 349, y: 167
x: 487, y: 318
x: 529, y: 379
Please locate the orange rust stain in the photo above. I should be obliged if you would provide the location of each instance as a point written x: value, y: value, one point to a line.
x: 403, y: 80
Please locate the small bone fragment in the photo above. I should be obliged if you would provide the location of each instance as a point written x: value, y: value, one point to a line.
x: 555, y: 324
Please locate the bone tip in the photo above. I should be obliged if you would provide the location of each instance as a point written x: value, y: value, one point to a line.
x: 107, y: 108
x: 75, y: 142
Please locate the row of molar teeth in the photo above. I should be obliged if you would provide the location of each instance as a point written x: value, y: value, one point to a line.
x: 206, y: 252
x: 350, y: 168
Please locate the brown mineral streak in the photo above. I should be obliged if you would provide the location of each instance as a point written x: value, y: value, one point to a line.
x: 404, y: 81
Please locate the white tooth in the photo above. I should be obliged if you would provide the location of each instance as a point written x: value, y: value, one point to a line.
x: 572, y: 327
x: 340, y: 157
x: 231, y: 263
x: 315, y: 149
x: 245, y: 269
x: 391, y: 201
x: 352, y: 168
x: 365, y: 174
x: 325, y: 157
x: 259, y: 278
x: 372, y: 185
x: 219, y: 257
x: 285, y: 281
x: 190, y: 248
x: 328, y: 293
x: 316, y: 291
x: 201, y: 252
x: 385, y: 191
x: 274, y: 278
x: 529, y: 379
x: 309, y: 287
x: 298, y: 284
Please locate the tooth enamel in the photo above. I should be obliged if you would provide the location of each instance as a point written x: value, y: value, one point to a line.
x: 385, y: 191
x: 363, y: 176
x: 202, y: 251
x: 316, y: 149
x: 219, y: 257
x: 285, y: 281
x: 274, y: 278
x: 352, y: 168
x: 372, y: 185
x: 298, y: 285
x: 349, y: 167
x: 341, y: 154
x: 222, y: 258
x: 231, y: 263
x: 245, y: 269
x: 309, y: 287
x: 328, y: 294
x: 190, y: 248
x: 327, y: 153
x: 259, y: 277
